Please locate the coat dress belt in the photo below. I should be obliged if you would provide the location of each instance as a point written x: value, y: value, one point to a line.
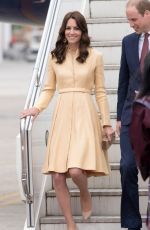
x: 69, y: 90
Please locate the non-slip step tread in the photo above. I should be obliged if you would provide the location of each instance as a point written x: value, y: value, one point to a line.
x: 99, y: 192
x: 111, y: 91
x: 111, y: 67
x: 79, y: 219
x: 113, y: 115
x: 108, y: 90
x: 106, y: 20
x: 106, y: 43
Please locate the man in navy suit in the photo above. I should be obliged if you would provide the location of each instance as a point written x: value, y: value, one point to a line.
x: 138, y: 15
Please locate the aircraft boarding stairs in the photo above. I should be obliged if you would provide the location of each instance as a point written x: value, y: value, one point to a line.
x: 107, y: 25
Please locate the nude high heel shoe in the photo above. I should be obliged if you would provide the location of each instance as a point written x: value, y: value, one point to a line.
x: 86, y: 214
x: 76, y: 228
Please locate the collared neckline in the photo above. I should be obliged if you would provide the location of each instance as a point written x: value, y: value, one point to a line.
x: 75, y: 53
x: 142, y: 35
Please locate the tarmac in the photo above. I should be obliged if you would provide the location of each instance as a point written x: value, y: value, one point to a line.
x: 15, y: 79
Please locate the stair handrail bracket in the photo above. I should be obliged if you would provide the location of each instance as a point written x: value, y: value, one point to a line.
x: 26, y: 168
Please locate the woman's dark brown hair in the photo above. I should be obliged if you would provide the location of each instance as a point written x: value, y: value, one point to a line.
x: 61, y: 45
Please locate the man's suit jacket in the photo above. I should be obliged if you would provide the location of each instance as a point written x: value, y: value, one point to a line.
x: 129, y: 77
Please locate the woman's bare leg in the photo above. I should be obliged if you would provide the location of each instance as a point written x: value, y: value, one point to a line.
x: 63, y: 196
x: 80, y: 179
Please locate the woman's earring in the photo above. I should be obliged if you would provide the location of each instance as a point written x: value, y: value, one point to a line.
x: 65, y: 41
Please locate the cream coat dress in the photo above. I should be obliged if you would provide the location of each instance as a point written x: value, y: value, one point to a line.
x: 76, y: 132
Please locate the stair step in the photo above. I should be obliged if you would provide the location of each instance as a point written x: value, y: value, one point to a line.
x: 111, y: 61
x: 106, y: 43
x: 107, y: 182
x: 106, y: 202
x: 106, y: 20
x: 113, y: 115
x: 94, y: 223
x: 100, y: 29
x: 107, y: 9
x: 111, y: 75
x: 111, y: 51
x: 111, y: 67
x: 111, y: 55
x: 114, y: 154
x: 112, y: 100
x: 111, y: 91
x: 79, y: 219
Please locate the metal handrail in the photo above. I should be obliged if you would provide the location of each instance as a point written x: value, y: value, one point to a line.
x: 33, y: 93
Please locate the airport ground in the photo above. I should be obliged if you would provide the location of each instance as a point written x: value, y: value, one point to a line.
x: 14, y: 82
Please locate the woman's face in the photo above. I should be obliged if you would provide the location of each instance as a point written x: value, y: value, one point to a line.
x: 72, y: 32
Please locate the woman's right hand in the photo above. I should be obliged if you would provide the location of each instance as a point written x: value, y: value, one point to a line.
x: 30, y: 112
x: 118, y: 127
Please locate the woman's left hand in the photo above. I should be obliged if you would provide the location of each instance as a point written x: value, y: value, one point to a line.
x: 108, y: 132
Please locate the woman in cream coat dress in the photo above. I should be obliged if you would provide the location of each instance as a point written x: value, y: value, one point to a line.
x: 75, y: 142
